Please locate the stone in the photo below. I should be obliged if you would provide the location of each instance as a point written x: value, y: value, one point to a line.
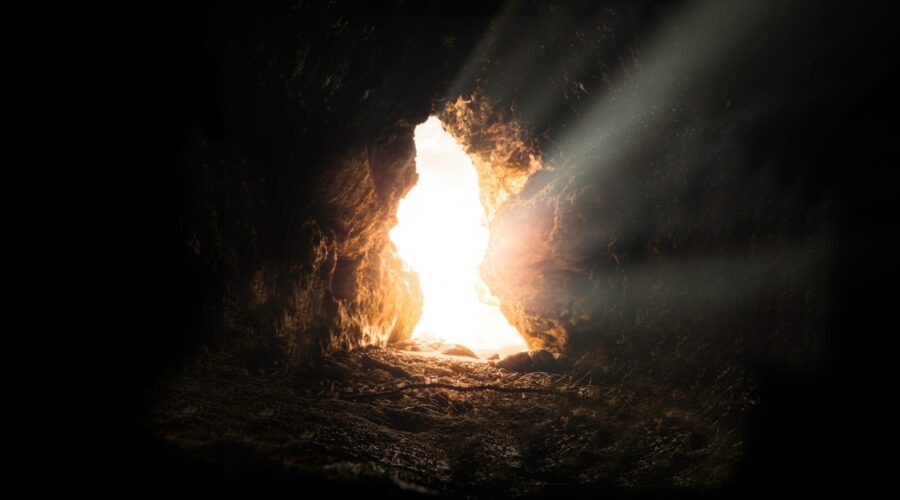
x: 539, y: 360
x: 459, y: 350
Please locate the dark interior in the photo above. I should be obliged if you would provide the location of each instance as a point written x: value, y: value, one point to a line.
x: 696, y: 236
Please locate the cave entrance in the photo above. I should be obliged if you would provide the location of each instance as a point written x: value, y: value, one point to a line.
x: 442, y: 233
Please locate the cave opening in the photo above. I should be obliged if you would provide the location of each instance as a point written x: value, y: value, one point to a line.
x: 442, y: 233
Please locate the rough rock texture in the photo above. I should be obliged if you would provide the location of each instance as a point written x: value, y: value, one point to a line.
x: 672, y: 225
x: 665, y: 187
x: 503, y: 153
x: 299, y: 148
x: 672, y: 215
x: 349, y: 423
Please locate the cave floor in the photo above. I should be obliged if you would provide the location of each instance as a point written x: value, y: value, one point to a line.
x: 346, y: 420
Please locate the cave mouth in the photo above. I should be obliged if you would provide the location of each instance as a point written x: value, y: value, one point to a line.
x: 442, y: 233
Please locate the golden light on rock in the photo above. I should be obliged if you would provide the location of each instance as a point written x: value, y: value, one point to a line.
x: 442, y: 234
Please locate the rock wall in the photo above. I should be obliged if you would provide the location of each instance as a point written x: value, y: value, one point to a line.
x: 651, y: 174
x: 299, y: 147
x: 682, y: 219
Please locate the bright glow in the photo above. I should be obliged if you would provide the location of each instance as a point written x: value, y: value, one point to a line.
x: 442, y: 236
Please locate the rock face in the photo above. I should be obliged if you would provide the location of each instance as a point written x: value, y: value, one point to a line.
x: 671, y: 222
x: 681, y: 199
x: 652, y: 191
x: 299, y: 147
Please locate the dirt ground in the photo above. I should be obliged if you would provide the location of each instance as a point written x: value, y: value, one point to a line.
x: 408, y: 424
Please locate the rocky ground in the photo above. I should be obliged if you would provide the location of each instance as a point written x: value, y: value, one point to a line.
x: 409, y: 424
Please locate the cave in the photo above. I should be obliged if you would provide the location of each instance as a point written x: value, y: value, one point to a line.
x: 517, y: 250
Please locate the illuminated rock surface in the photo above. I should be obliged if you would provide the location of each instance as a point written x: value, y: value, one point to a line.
x: 664, y: 190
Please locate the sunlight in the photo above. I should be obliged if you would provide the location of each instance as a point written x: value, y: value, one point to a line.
x: 441, y: 234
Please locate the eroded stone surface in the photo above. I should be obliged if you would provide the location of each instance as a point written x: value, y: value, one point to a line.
x: 629, y: 221
x: 300, y: 148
